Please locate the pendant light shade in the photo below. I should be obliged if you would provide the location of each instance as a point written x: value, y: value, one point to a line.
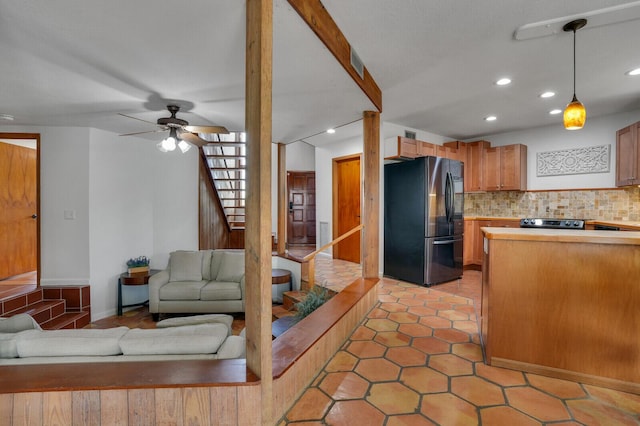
x: 575, y: 113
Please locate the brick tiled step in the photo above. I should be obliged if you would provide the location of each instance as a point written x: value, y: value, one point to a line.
x: 67, y: 320
x: 290, y: 298
x: 11, y: 304
x: 280, y: 311
x: 42, y: 311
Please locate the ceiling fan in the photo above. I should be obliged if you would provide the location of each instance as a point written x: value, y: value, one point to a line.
x: 180, y: 132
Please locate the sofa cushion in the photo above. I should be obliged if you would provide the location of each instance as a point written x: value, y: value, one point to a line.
x: 198, y: 319
x: 181, y: 290
x: 8, y: 347
x: 206, y: 265
x: 216, y: 260
x: 190, y: 339
x: 185, y: 266
x: 231, y: 267
x: 93, y: 342
x: 18, y: 323
x: 221, y: 290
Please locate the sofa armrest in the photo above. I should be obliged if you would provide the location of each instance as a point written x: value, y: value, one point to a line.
x: 233, y: 347
x: 156, y: 281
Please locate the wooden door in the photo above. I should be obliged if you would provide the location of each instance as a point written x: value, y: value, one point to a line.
x: 301, y: 220
x: 346, y: 206
x: 18, y: 209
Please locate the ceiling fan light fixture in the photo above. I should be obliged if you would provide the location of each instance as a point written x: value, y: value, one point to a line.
x: 184, y: 146
x: 575, y: 113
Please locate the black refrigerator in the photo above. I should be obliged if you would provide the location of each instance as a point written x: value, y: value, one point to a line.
x: 423, y: 220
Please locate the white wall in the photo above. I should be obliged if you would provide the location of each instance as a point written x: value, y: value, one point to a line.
x: 300, y: 157
x: 129, y: 200
x: 597, y: 131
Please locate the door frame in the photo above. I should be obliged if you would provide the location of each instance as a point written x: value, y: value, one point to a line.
x: 334, y: 200
x: 36, y: 137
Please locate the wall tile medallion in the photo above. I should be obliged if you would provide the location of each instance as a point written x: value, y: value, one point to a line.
x: 593, y: 159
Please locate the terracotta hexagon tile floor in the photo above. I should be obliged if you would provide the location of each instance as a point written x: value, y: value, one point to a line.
x: 416, y: 360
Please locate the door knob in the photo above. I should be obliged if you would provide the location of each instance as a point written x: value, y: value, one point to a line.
x: 34, y: 216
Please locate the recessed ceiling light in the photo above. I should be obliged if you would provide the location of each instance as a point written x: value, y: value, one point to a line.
x: 6, y: 117
x: 633, y: 72
x: 555, y: 111
x: 547, y: 94
x: 490, y: 118
x: 503, y: 81
x: 331, y: 131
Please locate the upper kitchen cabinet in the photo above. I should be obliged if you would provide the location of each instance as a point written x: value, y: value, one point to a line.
x: 400, y: 148
x: 628, y: 155
x: 505, y: 168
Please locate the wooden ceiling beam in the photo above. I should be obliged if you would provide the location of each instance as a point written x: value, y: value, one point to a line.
x: 317, y: 17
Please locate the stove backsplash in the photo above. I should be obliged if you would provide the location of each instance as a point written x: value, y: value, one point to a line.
x: 603, y: 204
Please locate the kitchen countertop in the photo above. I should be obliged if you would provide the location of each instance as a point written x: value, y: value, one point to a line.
x: 627, y: 224
x: 563, y: 235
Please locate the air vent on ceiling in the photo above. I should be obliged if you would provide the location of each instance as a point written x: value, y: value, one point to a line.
x: 409, y: 135
x: 356, y: 63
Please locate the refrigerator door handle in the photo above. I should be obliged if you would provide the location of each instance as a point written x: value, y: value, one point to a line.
x: 437, y: 243
x: 449, y: 197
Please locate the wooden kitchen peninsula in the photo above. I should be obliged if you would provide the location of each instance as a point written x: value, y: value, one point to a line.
x: 563, y: 303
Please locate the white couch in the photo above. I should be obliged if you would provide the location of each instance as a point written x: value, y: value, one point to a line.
x: 203, y: 281
x: 22, y: 341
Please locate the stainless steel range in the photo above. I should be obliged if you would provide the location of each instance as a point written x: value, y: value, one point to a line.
x: 552, y: 223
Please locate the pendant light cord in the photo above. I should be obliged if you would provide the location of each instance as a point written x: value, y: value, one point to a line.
x: 574, y: 62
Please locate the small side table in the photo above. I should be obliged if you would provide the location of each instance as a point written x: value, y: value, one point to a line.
x: 280, y: 282
x: 138, y: 278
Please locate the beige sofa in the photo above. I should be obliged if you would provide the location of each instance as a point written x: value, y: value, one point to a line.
x: 203, y: 281
x: 199, y: 337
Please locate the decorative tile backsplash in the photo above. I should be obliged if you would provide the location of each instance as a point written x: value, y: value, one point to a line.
x: 602, y: 204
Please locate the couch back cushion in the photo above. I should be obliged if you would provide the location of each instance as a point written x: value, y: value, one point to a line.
x: 216, y: 260
x: 185, y: 266
x: 94, y: 342
x: 231, y: 266
x: 18, y: 323
x: 188, y: 339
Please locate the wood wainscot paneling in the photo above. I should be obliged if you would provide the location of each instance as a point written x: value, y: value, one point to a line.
x: 213, y: 229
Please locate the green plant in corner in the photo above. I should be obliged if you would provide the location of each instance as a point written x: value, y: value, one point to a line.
x: 314, y: 299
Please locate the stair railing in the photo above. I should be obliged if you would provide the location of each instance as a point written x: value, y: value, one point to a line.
x: 311, y: 257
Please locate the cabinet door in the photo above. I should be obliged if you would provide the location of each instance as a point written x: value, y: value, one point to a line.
x: 468, y: 247
x: 513, y: 172
x: 478, y: 243
x: 473, y: 168
x: 407, y: 147
x: 491, y: 169
x: 426, y: 149
x: 627, y: 153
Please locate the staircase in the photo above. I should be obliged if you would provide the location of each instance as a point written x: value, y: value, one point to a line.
x: 53, y: 308
x: 226, y: 158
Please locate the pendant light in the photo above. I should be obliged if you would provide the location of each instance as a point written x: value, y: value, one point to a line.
x: 574, y: 114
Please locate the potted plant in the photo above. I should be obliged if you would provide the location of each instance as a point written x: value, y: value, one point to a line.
x: 313, y: 300
x: 138, y: 265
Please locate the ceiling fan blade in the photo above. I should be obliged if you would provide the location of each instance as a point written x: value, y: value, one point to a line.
x: 139, y: 119
x: 206, y: 129
x: 193, y: 139
x: 141, y: 133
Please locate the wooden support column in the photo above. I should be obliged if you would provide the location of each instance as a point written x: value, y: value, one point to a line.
x: 282, y: 198
x: 371, y: 240
x: 259, y: 52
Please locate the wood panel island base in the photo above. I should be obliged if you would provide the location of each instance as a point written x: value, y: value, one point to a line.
x: 564, y: 304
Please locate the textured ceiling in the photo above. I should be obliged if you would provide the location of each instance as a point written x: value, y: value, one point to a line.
x: 79, y: 63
